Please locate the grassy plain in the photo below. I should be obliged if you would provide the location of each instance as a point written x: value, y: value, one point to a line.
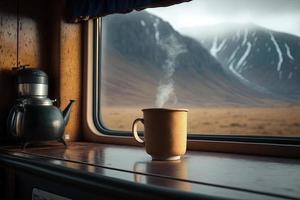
x: 271, y: 121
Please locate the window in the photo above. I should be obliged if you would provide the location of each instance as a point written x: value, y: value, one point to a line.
x: 234, y: 64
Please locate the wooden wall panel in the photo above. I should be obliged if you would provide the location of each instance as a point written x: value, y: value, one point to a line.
x: 29, y: 48
x: 71, y: 72
x: 34, y: 33
x: 8, y: 36
x: 8, y: 58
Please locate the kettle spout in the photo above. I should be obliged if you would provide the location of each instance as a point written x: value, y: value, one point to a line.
x: 66, y: 112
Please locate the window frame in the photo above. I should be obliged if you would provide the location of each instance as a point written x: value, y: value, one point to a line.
x: 95, y: 131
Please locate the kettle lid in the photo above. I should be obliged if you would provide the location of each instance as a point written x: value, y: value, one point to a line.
x: 31, y: 75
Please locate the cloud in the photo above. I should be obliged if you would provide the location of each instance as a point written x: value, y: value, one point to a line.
x: 280, y: 15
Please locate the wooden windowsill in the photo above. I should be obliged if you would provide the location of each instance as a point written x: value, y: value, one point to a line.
x: 205, y: 173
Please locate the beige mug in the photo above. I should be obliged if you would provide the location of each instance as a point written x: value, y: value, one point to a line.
x: 165, y: 134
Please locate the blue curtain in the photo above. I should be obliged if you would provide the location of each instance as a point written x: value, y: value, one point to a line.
x: 77, y: 10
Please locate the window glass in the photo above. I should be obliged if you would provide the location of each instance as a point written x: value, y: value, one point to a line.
x: 234, y: 64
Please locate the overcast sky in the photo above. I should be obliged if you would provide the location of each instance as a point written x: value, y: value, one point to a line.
x: 280, y: 15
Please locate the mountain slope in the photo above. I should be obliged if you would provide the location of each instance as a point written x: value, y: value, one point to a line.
x: 264, y: 59
x: 146, y: 62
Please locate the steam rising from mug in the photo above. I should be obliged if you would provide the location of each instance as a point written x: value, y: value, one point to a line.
x: 166, y: 89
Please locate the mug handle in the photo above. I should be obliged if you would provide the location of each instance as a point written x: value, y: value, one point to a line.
x: 134, y: 130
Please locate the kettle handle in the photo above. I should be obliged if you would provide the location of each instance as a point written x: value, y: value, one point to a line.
x: 12, y: 120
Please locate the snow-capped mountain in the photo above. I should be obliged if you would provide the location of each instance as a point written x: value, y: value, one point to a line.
x: 144, y: 56
x: 261, y: 58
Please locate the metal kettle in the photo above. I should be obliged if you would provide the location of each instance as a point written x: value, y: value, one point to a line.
x: 36, y: 119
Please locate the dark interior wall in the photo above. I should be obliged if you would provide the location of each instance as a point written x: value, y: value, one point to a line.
x: 8, y: 57
x: 33, y: 32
